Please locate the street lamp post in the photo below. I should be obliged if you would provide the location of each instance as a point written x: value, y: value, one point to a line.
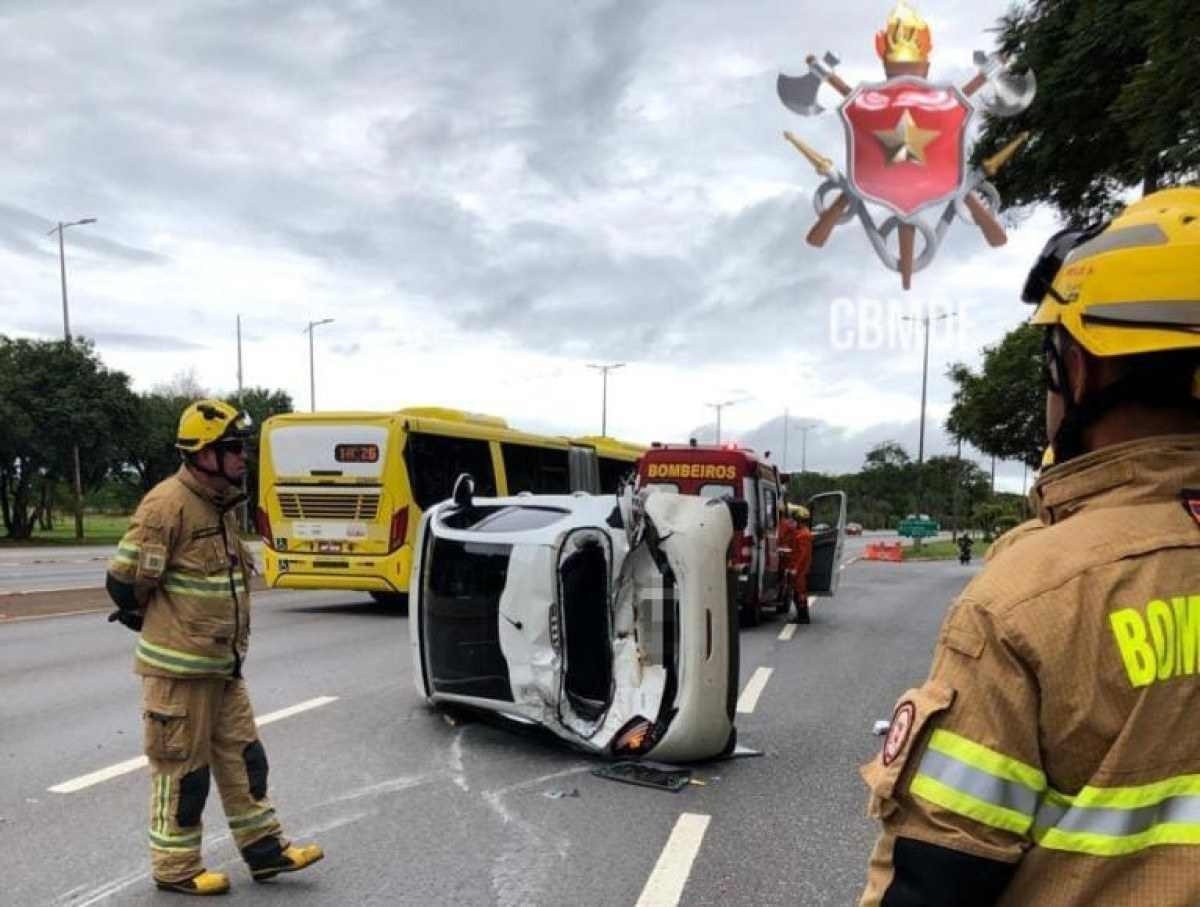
x: 604, y: 370
x: 62, y: 270
x: 718, y: 407
x: 925, y: 320
x: 312, y: 371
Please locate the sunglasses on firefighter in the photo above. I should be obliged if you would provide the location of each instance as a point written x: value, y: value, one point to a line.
x: 237, y: 448
x: 1040, y: 282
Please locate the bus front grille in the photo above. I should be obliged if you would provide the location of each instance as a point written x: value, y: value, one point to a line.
x: 324, y: 505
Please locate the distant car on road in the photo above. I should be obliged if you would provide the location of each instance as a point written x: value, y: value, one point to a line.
x: 609, y: 621
x: 854, y: 529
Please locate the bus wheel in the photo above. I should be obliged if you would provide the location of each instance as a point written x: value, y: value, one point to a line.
x: 393, y: 601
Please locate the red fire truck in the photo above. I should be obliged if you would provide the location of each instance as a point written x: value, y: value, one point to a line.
x: 714, y: 471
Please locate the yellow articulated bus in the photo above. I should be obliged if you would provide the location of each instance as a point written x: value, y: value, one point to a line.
x: 341, y: 494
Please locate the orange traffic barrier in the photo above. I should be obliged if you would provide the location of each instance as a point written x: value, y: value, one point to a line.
x: 884, y: 551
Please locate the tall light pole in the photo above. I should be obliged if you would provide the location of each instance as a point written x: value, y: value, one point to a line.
x: 718, y: 407
x: 604, y: 370
x: 62, y: 270
x: 312, y: 372
x: 804, y: 429
x: 925, y: 320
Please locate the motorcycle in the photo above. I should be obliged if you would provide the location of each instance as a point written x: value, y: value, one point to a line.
x: 964, y: 549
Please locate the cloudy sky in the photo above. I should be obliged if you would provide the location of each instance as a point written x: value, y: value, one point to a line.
x: 486, y: 197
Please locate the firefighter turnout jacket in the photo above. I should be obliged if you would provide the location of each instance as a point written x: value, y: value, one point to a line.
x: 182, y: 566
x: 1051, y: 758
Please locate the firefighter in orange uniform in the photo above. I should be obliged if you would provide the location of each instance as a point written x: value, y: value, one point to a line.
x: 795, y: 557
x: 180, y: 578
x: 802, y: 550
x: 1049, y: 758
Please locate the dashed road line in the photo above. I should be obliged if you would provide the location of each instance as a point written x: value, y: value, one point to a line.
x: 132, y: 765
x: 749, y: 698
x: 664, y: 888
x: 787, y: 632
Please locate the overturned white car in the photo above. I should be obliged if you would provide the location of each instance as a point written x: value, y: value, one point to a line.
x: 607, y: 621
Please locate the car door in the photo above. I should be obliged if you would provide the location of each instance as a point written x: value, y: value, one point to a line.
x: 769, y: 540
x: 823, y: 574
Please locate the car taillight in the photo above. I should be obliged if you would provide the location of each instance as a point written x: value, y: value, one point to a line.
x: 399, y: 529
x: 635, y: 738
x: 263, y: 523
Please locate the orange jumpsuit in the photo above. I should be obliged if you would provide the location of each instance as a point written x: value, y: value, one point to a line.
x: 802, y: 549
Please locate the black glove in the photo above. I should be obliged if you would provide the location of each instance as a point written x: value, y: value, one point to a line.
x: 131, y: 619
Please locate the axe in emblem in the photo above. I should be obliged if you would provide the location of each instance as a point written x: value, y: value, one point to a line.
x: 799, y: 93
x: 1009, y: 93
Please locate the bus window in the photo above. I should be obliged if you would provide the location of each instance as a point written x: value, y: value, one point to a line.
x: 612, y: 472
x: 668, y: 487
x: 717, y: 490
x: 541, y: 470
x: 435, y: 461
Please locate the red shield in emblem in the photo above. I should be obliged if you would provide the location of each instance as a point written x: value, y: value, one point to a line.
x: 906, y: 143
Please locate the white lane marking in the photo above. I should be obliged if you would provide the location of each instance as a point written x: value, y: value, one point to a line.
x: 749, y: 698
x: 664, y: 888
x: 787, y: 632
x: 132, y: 765
x: 104, y: 774
x: 296, y: 709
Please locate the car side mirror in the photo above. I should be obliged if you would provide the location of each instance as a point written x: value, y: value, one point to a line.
x: 464, y: 490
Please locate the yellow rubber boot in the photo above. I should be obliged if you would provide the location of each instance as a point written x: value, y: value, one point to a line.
x: 292, y: 858
x: 201, y: 885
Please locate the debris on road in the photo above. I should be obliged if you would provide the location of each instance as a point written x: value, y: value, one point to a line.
x: 559, y: 793
x: 645, y: 775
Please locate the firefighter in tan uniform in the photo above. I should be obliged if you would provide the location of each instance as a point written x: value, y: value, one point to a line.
x: 180, y: 576
x: 1052, y: 756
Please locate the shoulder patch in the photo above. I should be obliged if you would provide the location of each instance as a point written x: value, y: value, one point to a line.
x: 152, y: 560
x: 1191, y: 503
x: 898, y: 732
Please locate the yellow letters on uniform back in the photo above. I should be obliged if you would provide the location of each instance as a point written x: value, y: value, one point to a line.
x: 1160, y: 643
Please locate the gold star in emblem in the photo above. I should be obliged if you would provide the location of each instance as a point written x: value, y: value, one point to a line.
x: 907, y: 142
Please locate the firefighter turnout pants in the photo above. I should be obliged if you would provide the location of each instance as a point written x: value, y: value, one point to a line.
x: 197, y: 730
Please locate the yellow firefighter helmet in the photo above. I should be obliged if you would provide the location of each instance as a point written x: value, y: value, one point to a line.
x: 207, y: 422
x: 1130, y: 287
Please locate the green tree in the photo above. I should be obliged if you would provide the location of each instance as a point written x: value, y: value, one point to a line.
x: 1117, y: 104
x: 54, y: 396
x: 1001, y: 409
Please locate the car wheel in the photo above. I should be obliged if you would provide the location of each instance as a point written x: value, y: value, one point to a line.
x: 393, y: 601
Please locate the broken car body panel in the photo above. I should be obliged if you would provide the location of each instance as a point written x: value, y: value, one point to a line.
x: 610, y: 626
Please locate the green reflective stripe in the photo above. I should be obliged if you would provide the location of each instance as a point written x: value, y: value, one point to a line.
x: 988, y: 760
x: 186, y: 658
x: 254, y: 819
x: 181, y: 662
x: 1136, y: 796
x: 1108, y: 846
x: 972, y: 807
x: 164, y: 796
x: 162, y: 841
x: 177, y: 669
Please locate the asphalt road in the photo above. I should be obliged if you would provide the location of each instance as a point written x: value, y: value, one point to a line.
x: 414, y: 810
